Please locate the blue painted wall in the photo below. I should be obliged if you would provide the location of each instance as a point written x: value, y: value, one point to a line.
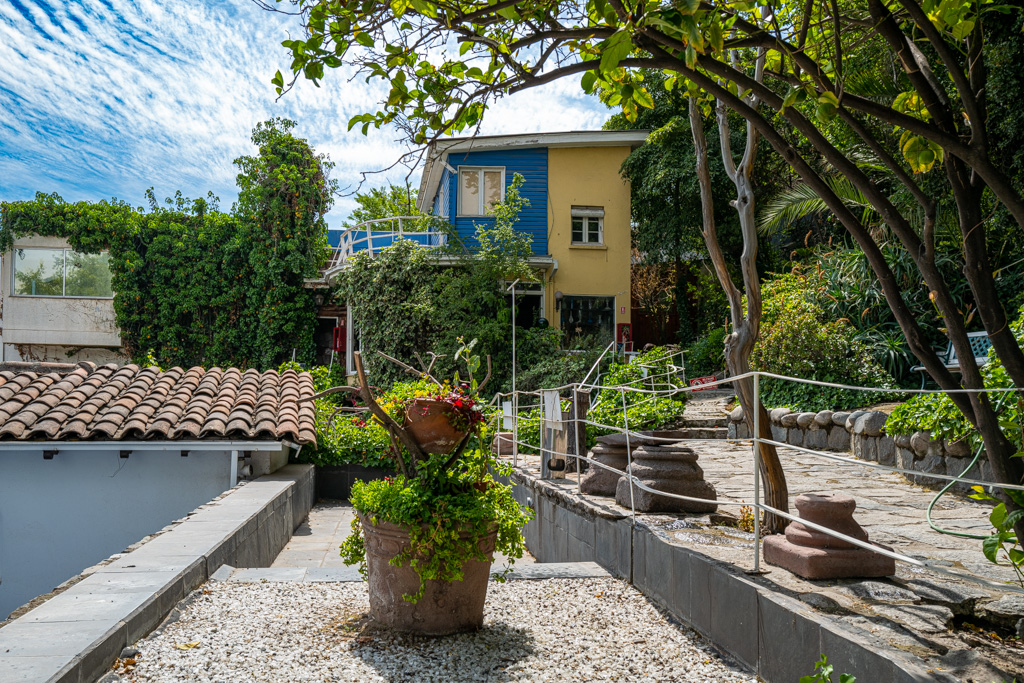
x: 531, y: 163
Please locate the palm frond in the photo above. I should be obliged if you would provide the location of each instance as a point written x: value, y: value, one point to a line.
x: 801, y: 201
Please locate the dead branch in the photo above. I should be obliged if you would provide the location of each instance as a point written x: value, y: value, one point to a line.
x: 487, y: 377
x: 389, y: 422
x: 408, y: 368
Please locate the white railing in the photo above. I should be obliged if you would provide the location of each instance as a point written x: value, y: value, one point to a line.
x: 372, y: 236
x: 654, y: 393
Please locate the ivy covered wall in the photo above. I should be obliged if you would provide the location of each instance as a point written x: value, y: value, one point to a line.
x: 197, y: 286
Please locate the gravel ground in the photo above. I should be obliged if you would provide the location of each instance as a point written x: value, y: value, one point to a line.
x: 551, y: 630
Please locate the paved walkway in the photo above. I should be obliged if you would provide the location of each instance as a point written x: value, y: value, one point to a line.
x: 315, y: 543
x: 890, y: 508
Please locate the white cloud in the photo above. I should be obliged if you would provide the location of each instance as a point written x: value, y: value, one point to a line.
x: 105, y: 98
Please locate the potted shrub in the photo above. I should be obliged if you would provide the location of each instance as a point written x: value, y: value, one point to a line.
x: 425, y: 538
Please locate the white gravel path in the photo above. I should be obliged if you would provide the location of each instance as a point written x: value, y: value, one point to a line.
x: 549, y: 630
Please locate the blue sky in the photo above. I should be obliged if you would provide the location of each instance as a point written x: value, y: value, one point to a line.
x: 105, y: 98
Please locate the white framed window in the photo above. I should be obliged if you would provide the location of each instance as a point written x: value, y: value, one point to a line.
x: 61, y: 273
x: 480, y: 188
x: 588, y: 225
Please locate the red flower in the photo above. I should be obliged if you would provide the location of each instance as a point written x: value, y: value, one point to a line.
x: 458, y: 403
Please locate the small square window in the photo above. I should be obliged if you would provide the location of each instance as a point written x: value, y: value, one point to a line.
x: 588, y: 225
x: 480, y: 189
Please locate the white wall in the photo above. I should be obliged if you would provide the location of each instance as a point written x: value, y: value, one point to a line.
x: 38, y: 321
x: 59, y: 516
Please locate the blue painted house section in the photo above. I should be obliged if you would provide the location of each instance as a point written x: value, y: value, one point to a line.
x: 531, y: 163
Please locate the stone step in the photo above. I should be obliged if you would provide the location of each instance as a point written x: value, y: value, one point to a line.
x: 695, y: 433
x: 705, y: 421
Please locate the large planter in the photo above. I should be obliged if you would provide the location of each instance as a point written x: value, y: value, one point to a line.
x: 429, y: 423
x: 445, y: 608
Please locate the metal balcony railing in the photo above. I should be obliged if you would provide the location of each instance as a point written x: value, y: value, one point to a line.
x: 372, y: 236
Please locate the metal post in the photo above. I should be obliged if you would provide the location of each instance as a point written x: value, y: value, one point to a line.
x: 756, y: 407
x: 576, y: 436
x: 512, y: 288
x: 515, y: 429
x: 629, y: 455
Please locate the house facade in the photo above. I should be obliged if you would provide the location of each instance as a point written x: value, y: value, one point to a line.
x: 57, y: 304
x: 578, y: 217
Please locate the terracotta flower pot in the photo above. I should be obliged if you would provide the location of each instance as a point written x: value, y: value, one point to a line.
x: 445, y: 608
x: 429, y: 422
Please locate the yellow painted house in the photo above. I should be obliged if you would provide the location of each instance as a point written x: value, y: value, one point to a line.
x: 578, y: 217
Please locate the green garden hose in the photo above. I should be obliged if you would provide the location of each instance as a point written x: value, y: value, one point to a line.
x: 1000, y: 403
x: 928, y: 514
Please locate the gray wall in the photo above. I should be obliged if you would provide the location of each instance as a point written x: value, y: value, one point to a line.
x: 59, y: 516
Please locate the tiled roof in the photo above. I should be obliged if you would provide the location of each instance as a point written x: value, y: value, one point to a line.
x: 112, y: 402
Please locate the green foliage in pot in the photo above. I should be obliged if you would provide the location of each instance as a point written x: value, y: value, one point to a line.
x: 448, y: 502
x: 437, y: 511
x: 799, y: 340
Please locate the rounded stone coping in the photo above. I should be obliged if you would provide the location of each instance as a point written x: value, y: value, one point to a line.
x: 861, y: 422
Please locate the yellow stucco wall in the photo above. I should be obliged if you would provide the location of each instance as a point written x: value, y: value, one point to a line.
x: 589, y: 176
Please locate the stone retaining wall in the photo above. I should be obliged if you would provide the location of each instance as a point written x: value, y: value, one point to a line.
x: 743, y: 615
x: 862, y: 433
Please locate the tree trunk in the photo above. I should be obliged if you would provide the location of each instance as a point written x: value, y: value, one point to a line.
x: 746, y: 322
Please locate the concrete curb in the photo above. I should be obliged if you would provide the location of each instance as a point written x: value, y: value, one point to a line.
x: 774, y: 634
x: 75, y: 636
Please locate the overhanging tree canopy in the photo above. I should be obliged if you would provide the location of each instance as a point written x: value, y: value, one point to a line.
x: 881, y: 91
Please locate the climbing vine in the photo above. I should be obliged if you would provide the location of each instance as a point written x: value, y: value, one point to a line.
x: 197, y: 286
x: 405, y: 301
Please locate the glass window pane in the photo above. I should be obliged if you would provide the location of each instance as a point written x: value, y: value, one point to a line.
x: 595, y: 230
x: 577, y: 229
x: 39, y: 272
x: 492, y: 189
x: 88, y: 275
x: 469, y: 193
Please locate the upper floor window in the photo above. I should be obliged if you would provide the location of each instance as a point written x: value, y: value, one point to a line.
x: 587, y: 225
x: 61, y: 272
x: 480, y: 189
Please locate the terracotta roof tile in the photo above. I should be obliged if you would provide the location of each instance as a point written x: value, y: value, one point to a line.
x: 129, y: 403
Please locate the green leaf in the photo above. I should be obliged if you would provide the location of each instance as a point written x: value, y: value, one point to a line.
x: 962, y: 29
x: 1012, y: 519
x: 364, y: 39
x: 790, y: 99
x: 587, y: 82
x: 643, y: 98
x: 847, y: 678
x: 465, y: 47
x: 615, y: 49
x: 997, y: 516
x: 990, y: 546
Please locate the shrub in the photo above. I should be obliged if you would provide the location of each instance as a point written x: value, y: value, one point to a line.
x: 937, y: 414
x: 546, y: 370
x: 706, y: 356
x: 643, y: 410
x: 797, y: 340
